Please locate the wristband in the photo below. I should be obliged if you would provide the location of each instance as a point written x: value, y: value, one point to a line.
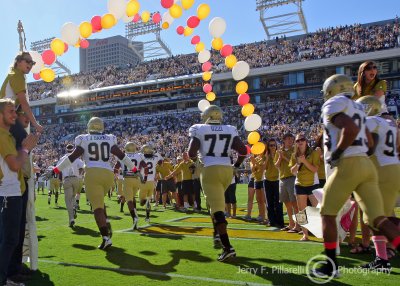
x: 56, y: 170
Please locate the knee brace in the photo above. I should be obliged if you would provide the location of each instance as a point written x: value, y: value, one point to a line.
x: 219, y: 218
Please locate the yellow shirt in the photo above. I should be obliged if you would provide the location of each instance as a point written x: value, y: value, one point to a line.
x: 272, y: 172
x: 187, y: 169
x: 164, y: 169
x: 284, y: 170
x: 258, y: 169
x: 305, y: 177
x: 370, y: 89
x: 13, y: 84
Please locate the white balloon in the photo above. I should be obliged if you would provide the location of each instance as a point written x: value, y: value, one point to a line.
x: 240, y: 70
x: 70, y: 33
x: 203, y: 104
x: 217, y: 27
x: 117, y: 7
x: 252, y: 122
x: 204, y: 56
x: 36, y: 57
x: 167, y: 18
x: 127, y: 19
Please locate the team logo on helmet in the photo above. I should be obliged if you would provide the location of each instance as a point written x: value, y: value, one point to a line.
x: 337, y: 84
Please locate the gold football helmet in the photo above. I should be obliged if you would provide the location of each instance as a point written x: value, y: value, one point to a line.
x: 337, y: 84
x: 95, y: 125
x: 147, y: 150
x: 372, y: 105
x: 212, y: 114
x: 130, y: 147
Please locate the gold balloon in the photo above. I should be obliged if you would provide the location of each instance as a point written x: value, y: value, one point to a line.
x: 186, y: 4
x: 247, y: 109
x: 132, y: 8
x: 165, y: 25
x: 57, y: 46
x: 230, y: 61
x: 47, y: 74
x: 85, y: 29
x: 258, y: 148
x: 203, y: 11
x: 210, y: 96
x: 187, y: 31
x: 108, y: 21
x: 200, y: 46
x: 253, y: 137
x: 175, y: 11
x: 241, y: 87
x: 145, y: 16
x: 206, y: 76
x: 217, y: 43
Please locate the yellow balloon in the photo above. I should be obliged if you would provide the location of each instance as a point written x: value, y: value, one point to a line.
x: 206, y: 76
x: 217, y: 43
x: 145, y: 16
x: 165, y: 25
x: 247, y: 109
x: 230, y: 61
x: 85, y: 29
x: 186, y: 4
x: 108, y: 21
x: 258, y: 148
x: 78, y: 43
x: 200, y: 46
x: 132, y: 8
x: 175, y: 11
x: 47, y: 74
x: 57, y: 46
x: 210, y: 96
x: 253, y: 137
x: 241, y: 87
x: 203, y: 11
x: 188, y: 31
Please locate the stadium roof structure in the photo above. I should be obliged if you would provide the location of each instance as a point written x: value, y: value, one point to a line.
x: 58, y: 67
x: 278, y: 24
x: 155, y: 48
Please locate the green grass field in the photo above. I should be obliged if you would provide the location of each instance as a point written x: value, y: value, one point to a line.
x: 177, y: 249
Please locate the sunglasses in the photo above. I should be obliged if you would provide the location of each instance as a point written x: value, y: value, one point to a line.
x: 30, y: 62
x: 300, y: 140
x: 368, y: 68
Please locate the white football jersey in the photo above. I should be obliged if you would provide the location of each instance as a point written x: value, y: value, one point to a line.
x: 386, y: 151
x: 342, y: 104
x: 151, y: 166
x: 215, y: 143
x: 136, y: 158
x: 97, y: 149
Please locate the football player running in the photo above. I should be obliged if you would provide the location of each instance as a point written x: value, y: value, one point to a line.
x: 131, y: 182
x: 346, y: 149
x: 96, y: 149
x: 386, y: 160
x: 212, y: 142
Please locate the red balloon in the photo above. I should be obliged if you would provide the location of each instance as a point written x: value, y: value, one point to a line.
x: 65, y: 47
x: 207, y: 88
x: 156, y: 18
x: 226, y: 50
x: 180, y: 30
x: 206, y: 66
x: 243, y: 99
x: 248, y: 149
x: 96, y: 23
x: 84, y: 44
x: 167, y: 3
x: 136, y: 18
x: 36, y: 76
x: 193, y: 22
x: 48, y: 57
x: 195, y: 40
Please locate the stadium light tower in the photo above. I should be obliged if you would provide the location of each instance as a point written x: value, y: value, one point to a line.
x: 58, y: 67
x: 155, y: 48
x: 281, y: 24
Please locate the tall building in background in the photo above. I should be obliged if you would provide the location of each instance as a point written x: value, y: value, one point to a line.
x: 109, y: 51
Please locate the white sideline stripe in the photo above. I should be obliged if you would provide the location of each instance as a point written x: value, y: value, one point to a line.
x: 198, y: 278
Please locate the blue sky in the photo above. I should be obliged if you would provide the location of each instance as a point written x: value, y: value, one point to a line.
x: 44, y: 18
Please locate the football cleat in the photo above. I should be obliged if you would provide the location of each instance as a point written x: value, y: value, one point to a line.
x: 106, y: 243
x: 325, y: 271
x: 147, y: 219
x: 226, y: 254
x: 378, y: 264
x: 71, y: 223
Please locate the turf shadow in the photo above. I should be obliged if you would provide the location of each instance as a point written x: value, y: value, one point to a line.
x: 40, y: 279
x: 80, y: 230
x: 38, y: 218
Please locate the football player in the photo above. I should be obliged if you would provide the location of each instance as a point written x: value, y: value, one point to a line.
x: 212, y: 142
x: 345, y: 138
x: 151, y: 159
x: 54, y: 188
x: 96, y: 149
x: 131, y: 181
x: 385, y: 158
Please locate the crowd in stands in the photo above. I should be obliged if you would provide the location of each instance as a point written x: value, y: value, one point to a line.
x: 325, y: 43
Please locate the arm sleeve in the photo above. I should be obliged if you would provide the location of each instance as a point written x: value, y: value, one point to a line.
x: 372, y: 125
x: 333, y: 107
x: 18, y: 83
x: 193, y: 131
x: 292, y: 161
x: 7, y: 148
